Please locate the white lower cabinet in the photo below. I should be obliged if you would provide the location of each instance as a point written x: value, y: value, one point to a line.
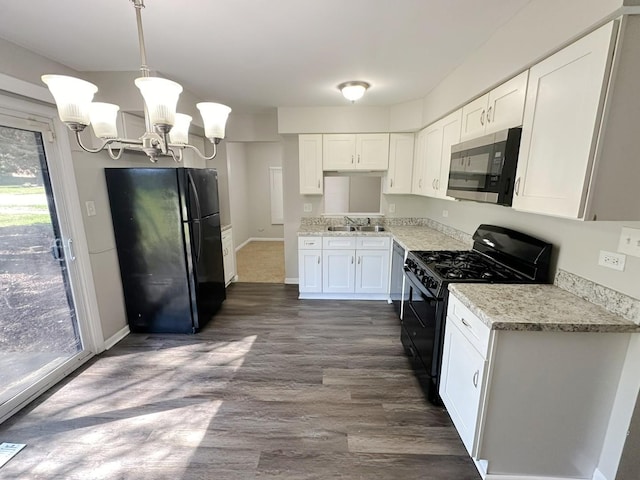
x: 347, y: 267
x: 529, y: 404
x: 310, y: 264
x: 228, y: 256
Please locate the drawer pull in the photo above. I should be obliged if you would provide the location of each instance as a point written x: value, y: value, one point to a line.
x: 465, y: 323
x: 475, y: 378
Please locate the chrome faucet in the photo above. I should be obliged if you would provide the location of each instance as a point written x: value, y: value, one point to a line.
x: 351, y: 221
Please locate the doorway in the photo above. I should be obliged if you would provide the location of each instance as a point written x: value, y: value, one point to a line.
x: 40, y: 333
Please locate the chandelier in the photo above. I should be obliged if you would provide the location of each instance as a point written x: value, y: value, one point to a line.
x: 167, y: 132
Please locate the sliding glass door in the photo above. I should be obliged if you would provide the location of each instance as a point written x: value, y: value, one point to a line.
x: 39, y: 328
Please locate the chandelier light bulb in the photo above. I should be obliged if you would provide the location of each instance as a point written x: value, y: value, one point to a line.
x: 353, y: 91
x: 103, y: 119
x: 214, y: 116
x: 179, y: 134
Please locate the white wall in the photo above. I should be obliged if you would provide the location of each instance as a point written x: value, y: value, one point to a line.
x: 238, y: 197
x: 261, y: 156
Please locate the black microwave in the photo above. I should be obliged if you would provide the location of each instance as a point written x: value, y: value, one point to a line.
x: 484, y: 169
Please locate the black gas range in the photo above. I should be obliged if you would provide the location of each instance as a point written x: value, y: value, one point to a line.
x: 499, y: 255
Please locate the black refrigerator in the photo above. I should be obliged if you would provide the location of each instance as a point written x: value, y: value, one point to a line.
x: 166, y: 223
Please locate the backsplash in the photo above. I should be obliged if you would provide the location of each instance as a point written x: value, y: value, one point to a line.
x: 611, y: 300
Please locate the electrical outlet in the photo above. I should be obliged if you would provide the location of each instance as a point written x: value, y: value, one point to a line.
x: 445, y: 213
x: 91, y: 208
x: 612, y: 260
x: 392, y: 208
x: 308, y: 207
x: 630, y: 241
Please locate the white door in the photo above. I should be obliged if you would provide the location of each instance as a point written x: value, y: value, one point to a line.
x: 44, y: 330
x: 506, y: 104
x: 339, y: 152
x: 451, y: 126
x: 310, y: 271
x: 310, y: 156
x: 461, y: 382
x: 372, y: 151
x: 474, y: 118
x: 372, y: 271
x: 417, y: 182
x: 398, y: 179
x: 338, y: 271
x: 561, y: 121
x: 433, y: 156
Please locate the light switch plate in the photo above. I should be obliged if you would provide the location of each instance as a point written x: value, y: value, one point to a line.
x: 630, y: 241
x: 91, y: 208
x: 392, y: 208
x: 308, y: 207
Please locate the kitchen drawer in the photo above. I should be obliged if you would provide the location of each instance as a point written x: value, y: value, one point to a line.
x: 469, y: 324
x: 371, y: 242
x: 305, y: 243
x: 339, y: 243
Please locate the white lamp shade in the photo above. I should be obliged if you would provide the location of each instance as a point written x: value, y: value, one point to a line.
x: 353, y: 92
x: 161, y: 98
x: 214, y: 116
x: 73, y: 97
x: 103, y: 119
x: 179, y: 134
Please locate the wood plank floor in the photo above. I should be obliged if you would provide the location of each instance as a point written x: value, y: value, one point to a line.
x: 273, y: 388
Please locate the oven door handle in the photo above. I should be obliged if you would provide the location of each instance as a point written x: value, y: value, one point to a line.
x: 415, y: 314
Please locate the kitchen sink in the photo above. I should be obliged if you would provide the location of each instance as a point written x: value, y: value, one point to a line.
x: 371, y: 228
x: 341, y: 228
x: 351, y: 228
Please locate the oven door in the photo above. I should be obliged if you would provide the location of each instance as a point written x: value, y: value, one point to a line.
x: 421, y: 328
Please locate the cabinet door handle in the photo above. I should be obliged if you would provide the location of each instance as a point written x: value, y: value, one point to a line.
x: 475, y: 378
x: 489, y: 114
x: 482, y: 118
x: 351, y: 158
x: 391, y: 182
x: 358, y: 158
x: 468, y: 161
x: 420, y: 183
x: 352, y: 260
x: 318, y: 259
x: 433, y: 184
x: 359, y: 258
x: 517, y: 186
x: 465, y: 323
x: 437, y: 184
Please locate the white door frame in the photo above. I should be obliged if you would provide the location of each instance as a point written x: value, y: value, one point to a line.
x: 37, y: 116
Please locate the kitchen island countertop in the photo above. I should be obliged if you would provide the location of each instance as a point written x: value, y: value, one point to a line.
x: 533, y: 307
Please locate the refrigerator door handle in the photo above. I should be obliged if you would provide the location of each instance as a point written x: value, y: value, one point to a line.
x: 199, y: 247
x: 195, y: 194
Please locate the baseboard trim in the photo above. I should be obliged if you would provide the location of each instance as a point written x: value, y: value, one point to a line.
x: 116, y: 337
x: 343, y: 296
x: 291, y: 281
x: 256, y: 239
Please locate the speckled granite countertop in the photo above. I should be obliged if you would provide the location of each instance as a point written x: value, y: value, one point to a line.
x: 537, y: 308
x: 410, y: 237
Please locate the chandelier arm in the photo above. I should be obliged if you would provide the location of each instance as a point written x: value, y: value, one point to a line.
x: 195, y: 149
x: 93, y: 150
x: 115, y: 156
x: 178, y: 158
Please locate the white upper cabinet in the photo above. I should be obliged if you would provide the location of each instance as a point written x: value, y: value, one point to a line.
x: 367, y: 151
x: 433, y: 156
x: 310, y: 156
x: 562, y: 119
x: 501, y: 108
x: 398, y: 177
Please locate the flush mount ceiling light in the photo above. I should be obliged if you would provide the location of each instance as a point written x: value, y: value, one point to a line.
x: 353, y: 90
x: 167, y: 132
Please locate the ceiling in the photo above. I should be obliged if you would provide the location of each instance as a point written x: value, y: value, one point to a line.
x: 259, y: 54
